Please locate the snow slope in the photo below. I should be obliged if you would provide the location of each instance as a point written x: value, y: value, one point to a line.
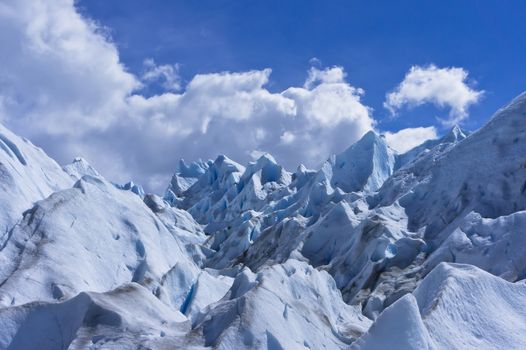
x: 455, y: 307
x: 127, y: 317
x: 27, y: 175
x: 486, y: 173
x: 67, y: 243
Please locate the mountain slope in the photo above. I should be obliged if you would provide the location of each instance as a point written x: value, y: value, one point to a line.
x: 486, y: 173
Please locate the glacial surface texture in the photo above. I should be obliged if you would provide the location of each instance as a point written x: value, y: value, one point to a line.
x: 373, y: 250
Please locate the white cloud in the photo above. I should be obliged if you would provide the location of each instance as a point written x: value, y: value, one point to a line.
x: 331, y: 104
x: 315, y: 61
x: 59, y: 73
x: 62, y: 85
x: 166, y: 74
x: 329, y: 75
x: 255, y: 154
x: 443, y: 87
x: 233, y: 114
x: 287, y: 137
x: 406, y: 139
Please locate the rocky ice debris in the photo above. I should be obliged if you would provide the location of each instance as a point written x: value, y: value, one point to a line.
x: 374, y: 250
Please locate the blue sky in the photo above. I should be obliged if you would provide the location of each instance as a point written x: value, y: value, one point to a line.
x: 133, y: 85
x: 374, y: 41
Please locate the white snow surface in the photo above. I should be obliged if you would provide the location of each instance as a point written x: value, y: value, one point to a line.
x: 80, y: 167
x: 455, y: 307
x: 373, y: 250
x: 27, y: 175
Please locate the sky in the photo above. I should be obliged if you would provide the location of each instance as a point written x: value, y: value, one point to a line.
x: 132, y: 86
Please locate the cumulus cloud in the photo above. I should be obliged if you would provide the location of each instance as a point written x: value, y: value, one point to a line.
x: 62, y: 85
x: 443, y: 87
x: 234, y: 114
x: 59, y: 73
x: 315, y: 62
x: 166, y: 74
x: 406, y: 139
x: 287, y: 137
x: 329, y: 75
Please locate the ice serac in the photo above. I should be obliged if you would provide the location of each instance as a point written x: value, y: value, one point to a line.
x: 285, y: 306
x: 363, y: 166
x: 455, y: 307
x: 132, y: 187
x: 204, y: 199
x: 80, y: 167
x: 400, y: 326
x: 184, y: 178
x: 266, y: 194
x: 27, y: 175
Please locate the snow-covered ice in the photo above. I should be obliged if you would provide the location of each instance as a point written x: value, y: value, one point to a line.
x: 455, y: 307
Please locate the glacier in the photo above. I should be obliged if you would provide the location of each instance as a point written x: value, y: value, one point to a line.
x: 372, y: 250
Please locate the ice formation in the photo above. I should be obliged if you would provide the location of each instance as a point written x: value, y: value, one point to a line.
x: 373, y: 250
